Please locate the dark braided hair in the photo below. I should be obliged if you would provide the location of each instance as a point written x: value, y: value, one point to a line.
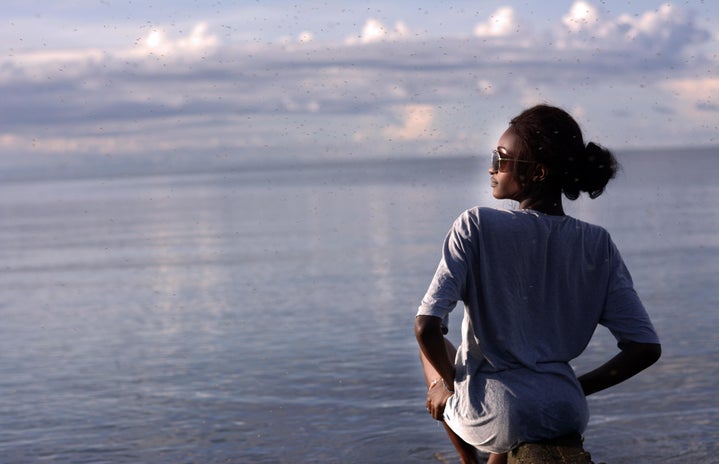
x: 550, y: 136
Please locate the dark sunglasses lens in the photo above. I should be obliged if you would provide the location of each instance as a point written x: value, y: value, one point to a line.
x: 495, y: 161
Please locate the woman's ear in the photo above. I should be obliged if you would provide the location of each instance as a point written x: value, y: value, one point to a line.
x: 540, y: 173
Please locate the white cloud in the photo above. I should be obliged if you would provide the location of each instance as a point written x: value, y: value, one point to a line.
x: 486, y: 87
x: 654, y: 36
x: 155, y: 40
x: 375, y: 31
x: 653, y: 23
x: 697, y: 98
x: 198, y: 41
x: 501, y: 23
x: 305, y: 37
x: 417, y: 124
x: 61, y: 64
x: 582, y: 15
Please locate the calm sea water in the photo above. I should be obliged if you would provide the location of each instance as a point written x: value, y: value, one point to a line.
x: 265, y: 315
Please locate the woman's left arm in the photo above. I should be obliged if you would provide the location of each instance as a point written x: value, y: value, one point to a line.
x: 632, y: 359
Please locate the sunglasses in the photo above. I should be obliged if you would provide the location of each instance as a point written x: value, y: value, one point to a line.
x: 500, y: 164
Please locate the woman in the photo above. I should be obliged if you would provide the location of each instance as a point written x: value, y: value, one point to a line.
x: 535, y: 283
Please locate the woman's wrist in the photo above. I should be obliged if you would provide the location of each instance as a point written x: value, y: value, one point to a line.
x: 444, y: 384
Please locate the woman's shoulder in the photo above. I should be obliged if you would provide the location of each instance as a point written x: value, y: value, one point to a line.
x: 589, y: 226
x: 486, y: 220
x: 487, y: 213
x: 512, y: 220
x: 476, y: 216
x: 496, y: 216
x: 593, y: 236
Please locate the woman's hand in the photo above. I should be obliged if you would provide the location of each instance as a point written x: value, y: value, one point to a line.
x: 437, y: 397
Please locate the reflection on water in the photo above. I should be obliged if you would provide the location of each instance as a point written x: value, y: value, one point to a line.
x: 267, y: 316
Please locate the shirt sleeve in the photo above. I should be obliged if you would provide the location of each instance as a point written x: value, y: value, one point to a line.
x: 449, y: 282
x: 624, y: 314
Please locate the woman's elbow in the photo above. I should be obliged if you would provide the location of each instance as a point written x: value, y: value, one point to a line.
x: 426, y: 326
x: 653, y: 351
x: 647, y: 353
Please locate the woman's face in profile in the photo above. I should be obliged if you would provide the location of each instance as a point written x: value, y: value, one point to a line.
x: 503, y: 183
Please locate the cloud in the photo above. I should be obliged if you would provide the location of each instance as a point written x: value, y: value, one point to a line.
x: 305, y: 37
x: 375, y: 31
x: 196, y: 94
x: 416, y: 124
x: 197, y: 42
x: 696, y: 98
x: 486, y: 87
x: 659, y: 36
x: 502, y: 22
x: 582, y: 15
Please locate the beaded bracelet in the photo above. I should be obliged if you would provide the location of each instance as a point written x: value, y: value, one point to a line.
x: 444, y: 384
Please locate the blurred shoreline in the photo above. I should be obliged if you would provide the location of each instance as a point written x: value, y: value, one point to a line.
x: 52, y: 167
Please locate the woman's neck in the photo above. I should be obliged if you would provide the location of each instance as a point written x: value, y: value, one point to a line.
x: 551, y: 205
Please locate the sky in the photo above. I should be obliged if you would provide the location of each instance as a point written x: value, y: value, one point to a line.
x: 166, y: 84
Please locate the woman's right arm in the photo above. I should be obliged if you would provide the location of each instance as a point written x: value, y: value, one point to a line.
x: 634, y: 358
x: 428, y: 330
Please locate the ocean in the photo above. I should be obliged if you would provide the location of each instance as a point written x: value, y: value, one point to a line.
x: 265, y: 314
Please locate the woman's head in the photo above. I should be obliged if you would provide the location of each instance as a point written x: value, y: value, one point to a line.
x: 550, y: 144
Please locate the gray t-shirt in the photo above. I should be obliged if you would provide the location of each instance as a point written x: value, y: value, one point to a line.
x: 534, y: 287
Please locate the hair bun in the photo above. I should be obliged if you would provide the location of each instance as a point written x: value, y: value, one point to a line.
x: 550, y: 136
x: 590, y: 172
